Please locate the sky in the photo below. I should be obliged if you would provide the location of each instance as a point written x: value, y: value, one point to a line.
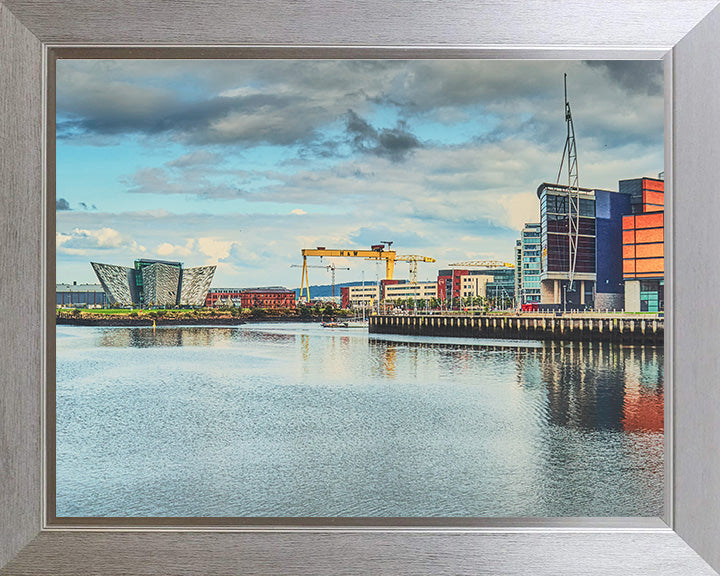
x: 243, y: 163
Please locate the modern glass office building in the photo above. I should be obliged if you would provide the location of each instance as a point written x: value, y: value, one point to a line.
x: 154, y: 283
x: 527, y: 266
x: 619, y: 240
x: 555, y: 247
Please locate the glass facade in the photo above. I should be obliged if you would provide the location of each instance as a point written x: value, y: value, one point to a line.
x: 652, y: 295
x: 528, y: 265
x: 502, y: 288
x: 555, y: 230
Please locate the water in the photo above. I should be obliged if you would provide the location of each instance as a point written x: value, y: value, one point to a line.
x: 288, y: 420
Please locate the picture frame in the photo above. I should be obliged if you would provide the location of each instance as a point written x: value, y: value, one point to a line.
x: 28, y: 32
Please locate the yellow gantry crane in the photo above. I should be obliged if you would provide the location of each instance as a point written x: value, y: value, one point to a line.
x: 413, y: 259
x: 376, y: 252
x: 482, y: 264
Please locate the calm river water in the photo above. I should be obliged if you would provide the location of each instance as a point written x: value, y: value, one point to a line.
x: 300, y: 420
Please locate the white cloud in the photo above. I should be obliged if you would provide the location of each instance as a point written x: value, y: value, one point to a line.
x: 298, y: 211
x: 167, y: 249
x: 82, y: 241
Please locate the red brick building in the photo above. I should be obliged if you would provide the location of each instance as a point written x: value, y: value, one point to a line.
x: 273, y: 297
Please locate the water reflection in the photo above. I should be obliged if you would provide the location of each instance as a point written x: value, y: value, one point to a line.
x: 166, y: 336
x: 282, y: 420
x: 597, y: 386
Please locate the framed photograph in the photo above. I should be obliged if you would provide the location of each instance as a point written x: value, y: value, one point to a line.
x: 516, y: 373
x: 589, y: 534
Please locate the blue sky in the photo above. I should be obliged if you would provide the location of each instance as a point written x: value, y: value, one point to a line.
x: 244, y: 163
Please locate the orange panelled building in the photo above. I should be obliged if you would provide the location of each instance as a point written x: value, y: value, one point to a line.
x: 644, y: 245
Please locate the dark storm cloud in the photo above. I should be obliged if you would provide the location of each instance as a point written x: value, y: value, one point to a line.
x: 303, y: 103
x: 634, y: 76
x: 256, y: 119
x: 394, y: 144
x: 62, y: 204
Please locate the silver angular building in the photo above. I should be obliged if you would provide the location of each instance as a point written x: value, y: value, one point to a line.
x: 154, y: 283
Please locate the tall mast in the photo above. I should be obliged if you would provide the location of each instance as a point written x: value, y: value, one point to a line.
x: 573, y: 204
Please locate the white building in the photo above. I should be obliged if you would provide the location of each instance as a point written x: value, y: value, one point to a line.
x: 474, y: 285
x: 418, y: 291
x: 366, y: 296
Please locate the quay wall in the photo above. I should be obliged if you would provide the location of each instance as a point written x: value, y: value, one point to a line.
x: 525, y: 327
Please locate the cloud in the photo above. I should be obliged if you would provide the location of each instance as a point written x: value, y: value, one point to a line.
x: 196, y: 158
x: 167, y: 249
x: 443, y: 157
x: 215, y: 248
x: 306, y: 103
x: 395, y: 143
x: 83, y: 241
x: 62, y: 204
x: 190, y: 182
x: 634, y: 76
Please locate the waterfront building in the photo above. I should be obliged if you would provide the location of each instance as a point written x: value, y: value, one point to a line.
x: 518, y: 267
x: 502, y: 288
x: 610, y: 208
x: 449, y: 283
x: 358, y: 297
x: 405, y: 290
x: 643, y: 264
x: 264, y: 297
x: 154, y: 283
x: 497, y: 284
x: 80, y: 295
x: 223, y: 297
x: 527, y: 264
x: 555, y: 247
x: 475, y: 285
x: 597, y: 279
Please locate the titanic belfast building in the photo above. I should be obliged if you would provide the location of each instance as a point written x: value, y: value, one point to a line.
x: 154, y: 283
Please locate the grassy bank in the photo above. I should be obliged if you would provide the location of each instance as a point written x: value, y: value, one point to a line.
x: 225, y: 315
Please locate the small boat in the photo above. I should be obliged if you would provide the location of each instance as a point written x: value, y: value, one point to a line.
x: 334, y: 324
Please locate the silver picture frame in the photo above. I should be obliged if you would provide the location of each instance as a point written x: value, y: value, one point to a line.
x: 682, y: 32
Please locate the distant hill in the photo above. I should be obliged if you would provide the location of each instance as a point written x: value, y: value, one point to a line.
x: 325, y: 290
